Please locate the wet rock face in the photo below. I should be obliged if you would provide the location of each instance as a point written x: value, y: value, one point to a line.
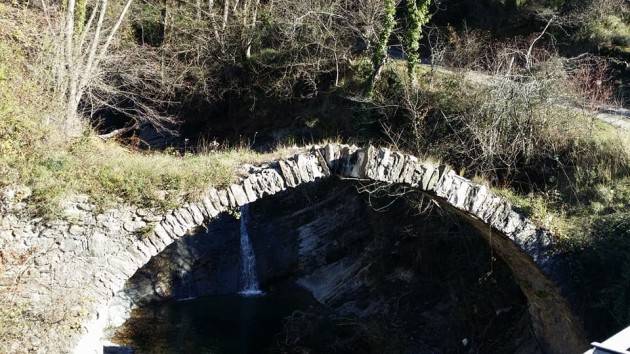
x: 203, y: 264
x: 292, y: 233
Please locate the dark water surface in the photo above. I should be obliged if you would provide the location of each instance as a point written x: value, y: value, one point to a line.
x: 229, y: 324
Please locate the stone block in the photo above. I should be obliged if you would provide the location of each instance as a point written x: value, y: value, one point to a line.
x: 322, y: 162
x: 175, y: 224
x: 287, y: 172
x: 183, y: 216
x: 497, y: 220
x: 145, y: 249
x: 213, y: 196
x: 427, y: 174
x: 313, y: 167
x: 169, y: 229
x: 159, y: 243
x: 458, y: 196
x: 271, y: 181
x: 211, y: 212
x: 231, y: 198
x: 331, y: 153
x: 488, y: 207
x: 132, y: 226
x: 512, y: 222
x: 165, y: 236
x: 303, y: 169
x: 356, y: 164
x: 443, y: 188
x: 136, y: 258
x: 397, y: 164
x: 223, y: 199
x: 257, y: 185
x: 196, y: 213
x: 249, y: 190
x: 239, y: 194
x: 476, y: 201
x: 123, y: 266
x: 98, y: 244
x: 344, y: 163
x: 407, y: 172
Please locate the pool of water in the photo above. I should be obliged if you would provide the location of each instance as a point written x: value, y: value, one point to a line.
x: 230, y: 324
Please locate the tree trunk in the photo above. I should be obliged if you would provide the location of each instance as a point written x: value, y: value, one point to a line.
x: 380, y: 52
x: 226, y: 13
x: 248, y: 50
x: 71, y: 126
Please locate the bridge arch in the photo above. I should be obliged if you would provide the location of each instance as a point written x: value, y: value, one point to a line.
x: 528, y: 250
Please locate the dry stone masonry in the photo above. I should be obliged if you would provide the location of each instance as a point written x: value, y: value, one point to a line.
x: 528, y: 249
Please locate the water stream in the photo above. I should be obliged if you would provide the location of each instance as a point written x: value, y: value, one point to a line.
x: 220, y: 324
x: 248, y: 277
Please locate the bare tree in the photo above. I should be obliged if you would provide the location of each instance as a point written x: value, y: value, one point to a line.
x: 84, y: 52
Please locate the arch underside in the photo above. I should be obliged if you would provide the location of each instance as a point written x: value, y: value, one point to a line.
x: 527, y: 249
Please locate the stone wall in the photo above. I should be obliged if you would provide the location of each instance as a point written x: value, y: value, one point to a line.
x: 59, y: 270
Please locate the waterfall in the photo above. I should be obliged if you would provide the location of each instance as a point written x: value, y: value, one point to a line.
x: 249, y: 279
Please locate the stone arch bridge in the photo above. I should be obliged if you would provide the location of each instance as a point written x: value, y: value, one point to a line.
x: 527, y: 249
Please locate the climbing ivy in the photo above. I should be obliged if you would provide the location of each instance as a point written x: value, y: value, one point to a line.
x: 418, y: 15
x: 380, y: 52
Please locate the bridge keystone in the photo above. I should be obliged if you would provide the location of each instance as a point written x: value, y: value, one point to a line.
x: 292, y: 179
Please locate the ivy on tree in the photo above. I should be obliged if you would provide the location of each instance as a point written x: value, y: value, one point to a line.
x: 380, y: 52
x: 418, y: 16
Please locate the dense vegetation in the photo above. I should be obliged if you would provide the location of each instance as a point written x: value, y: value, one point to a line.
x: 505, y: 98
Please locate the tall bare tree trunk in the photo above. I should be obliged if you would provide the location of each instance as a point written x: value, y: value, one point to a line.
x: 213, y: 22
x: 245, y: 11
x: 226, y: 13
x: 71, y: 123
x: 248, y: 50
